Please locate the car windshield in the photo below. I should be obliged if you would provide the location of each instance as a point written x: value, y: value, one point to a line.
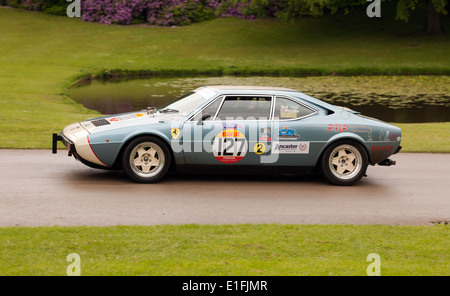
x: 183, y: 105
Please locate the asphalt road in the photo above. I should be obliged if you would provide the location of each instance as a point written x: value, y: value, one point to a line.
x: 41, y: 189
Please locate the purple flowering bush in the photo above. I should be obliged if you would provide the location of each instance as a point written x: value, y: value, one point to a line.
x: 153, y: 12
x: 112, y: 11
x: 180, y: 12
x: 163, y: 12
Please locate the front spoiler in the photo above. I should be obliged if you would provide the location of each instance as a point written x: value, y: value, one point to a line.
x: 72, y: 150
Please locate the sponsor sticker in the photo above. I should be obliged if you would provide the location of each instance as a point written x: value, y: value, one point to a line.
x: 231, y: 126
x: 230, y: 146
x: 381, y: 148
x: 265, y: 134
x: 361, y: 129
x: 265, y: 131
x: 285, y: 112
x: 126, y: 117
x: 338, y: 128
x: 290, y: 147
x: 287, y: 134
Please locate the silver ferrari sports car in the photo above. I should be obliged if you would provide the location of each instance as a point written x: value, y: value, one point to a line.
x: 235, y: 130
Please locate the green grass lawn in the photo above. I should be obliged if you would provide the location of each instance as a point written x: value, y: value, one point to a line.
x: 226, y: 250
x: 41, y: 55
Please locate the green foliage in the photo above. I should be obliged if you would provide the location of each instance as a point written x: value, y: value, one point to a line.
x: 404, y: 7
x: 288, y: 10
x: 50, y: 6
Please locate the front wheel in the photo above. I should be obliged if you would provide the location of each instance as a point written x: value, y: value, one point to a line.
x: 344, y: 162
x: 146, y: 159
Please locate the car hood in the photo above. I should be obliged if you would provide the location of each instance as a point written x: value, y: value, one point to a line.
x: 123, y: 120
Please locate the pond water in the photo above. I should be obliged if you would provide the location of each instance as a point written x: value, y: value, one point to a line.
x: 134, y: 95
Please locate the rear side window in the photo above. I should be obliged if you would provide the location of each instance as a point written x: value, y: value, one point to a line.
x: 245, y: 108
x: 288, y: 109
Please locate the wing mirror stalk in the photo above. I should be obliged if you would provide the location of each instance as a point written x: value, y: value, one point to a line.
x: 204, y: 117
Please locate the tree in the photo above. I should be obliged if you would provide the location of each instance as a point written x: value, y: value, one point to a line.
x: 434, y: 9
x: 290, y: 9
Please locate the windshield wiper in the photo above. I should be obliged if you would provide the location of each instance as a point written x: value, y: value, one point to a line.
x: 168, y: 110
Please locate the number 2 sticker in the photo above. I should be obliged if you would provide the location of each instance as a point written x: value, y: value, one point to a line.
x: 259, y: 148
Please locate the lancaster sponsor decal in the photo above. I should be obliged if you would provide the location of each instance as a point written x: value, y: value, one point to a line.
x: 381, y: 148
x: 230, y: 146
x: 287, y: 134
x: 290, y: 147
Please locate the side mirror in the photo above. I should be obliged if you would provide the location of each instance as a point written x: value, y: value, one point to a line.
x: 204, y: 117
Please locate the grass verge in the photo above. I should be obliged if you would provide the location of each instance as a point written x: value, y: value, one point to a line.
x: 425, y: 137
x: 226, y: 250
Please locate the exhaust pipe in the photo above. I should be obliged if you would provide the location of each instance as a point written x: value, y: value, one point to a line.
x: 387, y: 162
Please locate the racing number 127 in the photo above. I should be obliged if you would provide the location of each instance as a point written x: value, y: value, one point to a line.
x: 229, y: 146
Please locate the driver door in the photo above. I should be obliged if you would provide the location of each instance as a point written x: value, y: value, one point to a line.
x: 226, y: 132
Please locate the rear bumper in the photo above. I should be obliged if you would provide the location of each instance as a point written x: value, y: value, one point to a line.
x: 398, y: 149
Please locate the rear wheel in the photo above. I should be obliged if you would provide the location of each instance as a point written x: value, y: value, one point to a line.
x: 344, y: 162
x: 146, y: 159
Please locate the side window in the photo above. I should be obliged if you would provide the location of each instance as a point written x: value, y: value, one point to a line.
x: 209, y: 110
x: 288, y: 109
x: 245, y: 107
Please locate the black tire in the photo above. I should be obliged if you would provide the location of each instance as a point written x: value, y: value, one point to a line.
x: 146, y: 159
x: 344, y: 162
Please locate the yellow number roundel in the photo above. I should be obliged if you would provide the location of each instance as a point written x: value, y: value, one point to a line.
x: 259, y: 148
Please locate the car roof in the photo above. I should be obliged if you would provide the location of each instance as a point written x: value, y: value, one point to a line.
x: 269, y: 90
x: 219, y: 88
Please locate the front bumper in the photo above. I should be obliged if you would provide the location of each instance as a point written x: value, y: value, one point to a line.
x: 72, y: 150
x: 61, y: 138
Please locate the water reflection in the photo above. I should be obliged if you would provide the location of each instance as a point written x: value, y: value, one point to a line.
x: 132, y: 95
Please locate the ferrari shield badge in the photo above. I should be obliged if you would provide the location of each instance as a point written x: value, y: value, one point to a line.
x: 175, y: 132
